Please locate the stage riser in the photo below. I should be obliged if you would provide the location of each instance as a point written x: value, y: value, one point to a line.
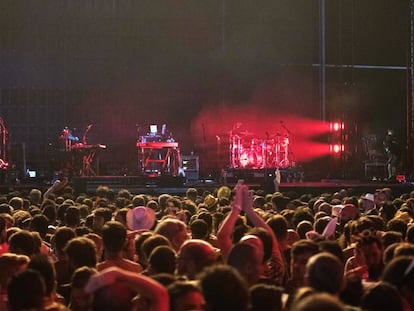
x: 138, y: 185
x: 135, y: 184
x: 263, y: 176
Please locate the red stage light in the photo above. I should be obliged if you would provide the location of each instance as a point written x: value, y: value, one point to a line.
x: 336, y: 148
x: 336, y: 126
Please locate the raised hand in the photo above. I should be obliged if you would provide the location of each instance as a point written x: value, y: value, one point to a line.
x: 237, y: 202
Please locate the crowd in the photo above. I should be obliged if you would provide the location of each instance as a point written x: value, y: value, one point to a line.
x: 230, y: 249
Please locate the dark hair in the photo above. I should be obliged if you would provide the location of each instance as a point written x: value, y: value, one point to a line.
x: 22, y: 242
x: 139, y: 200
x: 321, y: 223
x: 72, y: 216
x: 26, y: 291
x: 367, y: 239
x: 364, y: 223
x: 199, y: 229
x: 208, y: 218
x: 319, y: 302
x: 404, y: 249
x: 39, y: 223
x: 243, y: 257
x: 114, y: 236
x: 223, y: 288
x: 304, y: 246
x: 152, y: 242
x: 303, y: 227
x: 325, y: 273
x: 279, y: 225
x: 191, y: 192
x: 265, y: 297
x: 388, y: 210
x: 81, y: 276
x: 104, y: 212
x: 400, y: 272
x: 162, y: 259
x: 6, y: 208
x: 81, y: 252
x: 61, y: 237
x: 42, y: 263
x: 391, y: 237
x: 398, y: 225
x: 102, y: 191
x: 266, y: 239
x: 332, y: 247
x: 410, y: 234
x: 302, y: 213
x: 382, y: 297
x: 178, y: 289
x: 49, y: 210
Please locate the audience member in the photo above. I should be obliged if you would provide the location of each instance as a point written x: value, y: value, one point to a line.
x: 174, y: 230
x: 223, y: 288
x: 174, y: 237
x: 193, y: 256
x: 319, y: 302
x: 114, y: 237
x: 31, y: 283
x: 42, y: 263
x: 185, y: 296
x: 301, y: 251
x: 22, y: 243
x: 162, y: 259
x: 81, y: 252
x: 79, y: 299
x: 115, y: 289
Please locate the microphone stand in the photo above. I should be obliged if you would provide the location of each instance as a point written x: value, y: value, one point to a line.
x: 286, y: 159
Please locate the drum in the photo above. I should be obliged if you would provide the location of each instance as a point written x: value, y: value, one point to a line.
x: 250, y: 159
x: 270, y: 153
x: 246, y: 159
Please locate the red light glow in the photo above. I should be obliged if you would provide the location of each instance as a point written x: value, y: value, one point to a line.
x: 336, y: 148
x: 217, y: 124
x: 336, y: 126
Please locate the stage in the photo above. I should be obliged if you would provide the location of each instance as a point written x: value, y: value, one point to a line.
x: 137, y: 184
x: 178, y: 185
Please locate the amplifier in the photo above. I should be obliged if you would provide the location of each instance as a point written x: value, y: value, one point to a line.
x: 190, y: 166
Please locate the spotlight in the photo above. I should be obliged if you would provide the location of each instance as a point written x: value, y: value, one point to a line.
x: 336, y: 148
x: 336, y: 126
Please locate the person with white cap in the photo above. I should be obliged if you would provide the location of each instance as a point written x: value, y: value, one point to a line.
x: 368, y: 203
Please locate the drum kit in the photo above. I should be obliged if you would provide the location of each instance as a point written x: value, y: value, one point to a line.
x: 249, y: 151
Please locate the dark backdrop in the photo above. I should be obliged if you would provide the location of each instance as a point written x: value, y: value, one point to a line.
x: 122, y: 65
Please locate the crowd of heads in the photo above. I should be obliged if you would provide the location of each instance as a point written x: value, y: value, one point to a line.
x: 224, y: 249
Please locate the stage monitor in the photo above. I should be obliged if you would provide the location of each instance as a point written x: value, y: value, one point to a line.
x: 153, y: 129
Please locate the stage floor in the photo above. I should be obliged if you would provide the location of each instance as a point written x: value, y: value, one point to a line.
x: 178, y: 185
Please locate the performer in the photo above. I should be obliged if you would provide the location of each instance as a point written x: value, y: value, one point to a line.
x: 277, y: 180
x: 4, y: 165
x: 393, y: 153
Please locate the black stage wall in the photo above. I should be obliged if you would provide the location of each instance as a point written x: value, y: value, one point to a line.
x: 122, y: 65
